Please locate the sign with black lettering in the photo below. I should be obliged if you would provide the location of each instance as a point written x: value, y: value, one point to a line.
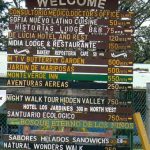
x: 87, y: 4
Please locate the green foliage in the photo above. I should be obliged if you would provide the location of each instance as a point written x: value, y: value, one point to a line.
x: 142, y: 50
x: 141, y: 8
x: 3, y: 23
x: 141, y: 44
x: 147, y: 61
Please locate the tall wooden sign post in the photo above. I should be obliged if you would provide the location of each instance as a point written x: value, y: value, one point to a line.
x: 84, y: 48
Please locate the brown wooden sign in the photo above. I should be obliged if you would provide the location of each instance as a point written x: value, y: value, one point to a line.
x: 56, y: 68
x: 104, y: 47
x: 64, y: 84
x: 57, y: 75
x: 70, y: 123
x: 111, y: 28
x: 79, y: 76
x: 57, y: 135
x: 26, y: 21
x: 71, y: 13
x: 74, y: 69
x: 69, y: 108
x: 101, y: 54
x: 124, y: 41
x: 71, y: 134
x: 63, y: 146
x: 108, y: 99
x: 87, y: 4
x: 89, y: 77
x: 71, y: 37
x: 56, y: 60
x: 67, y: 60
x: 70, y: 116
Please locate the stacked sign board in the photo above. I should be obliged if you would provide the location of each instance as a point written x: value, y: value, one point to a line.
x: 70, y: 49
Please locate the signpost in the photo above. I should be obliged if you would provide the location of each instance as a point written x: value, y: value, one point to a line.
x: 87, y: 45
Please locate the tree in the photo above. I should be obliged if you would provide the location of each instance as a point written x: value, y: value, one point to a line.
x: 142, y: 33
x: 4, y: 6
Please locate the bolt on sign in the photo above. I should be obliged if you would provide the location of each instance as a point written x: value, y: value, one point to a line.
x: 70, y: 45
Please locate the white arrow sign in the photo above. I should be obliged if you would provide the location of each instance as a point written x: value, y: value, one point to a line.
x: 22, y: 51
x: 119, y: 55
x: 2, y: 97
